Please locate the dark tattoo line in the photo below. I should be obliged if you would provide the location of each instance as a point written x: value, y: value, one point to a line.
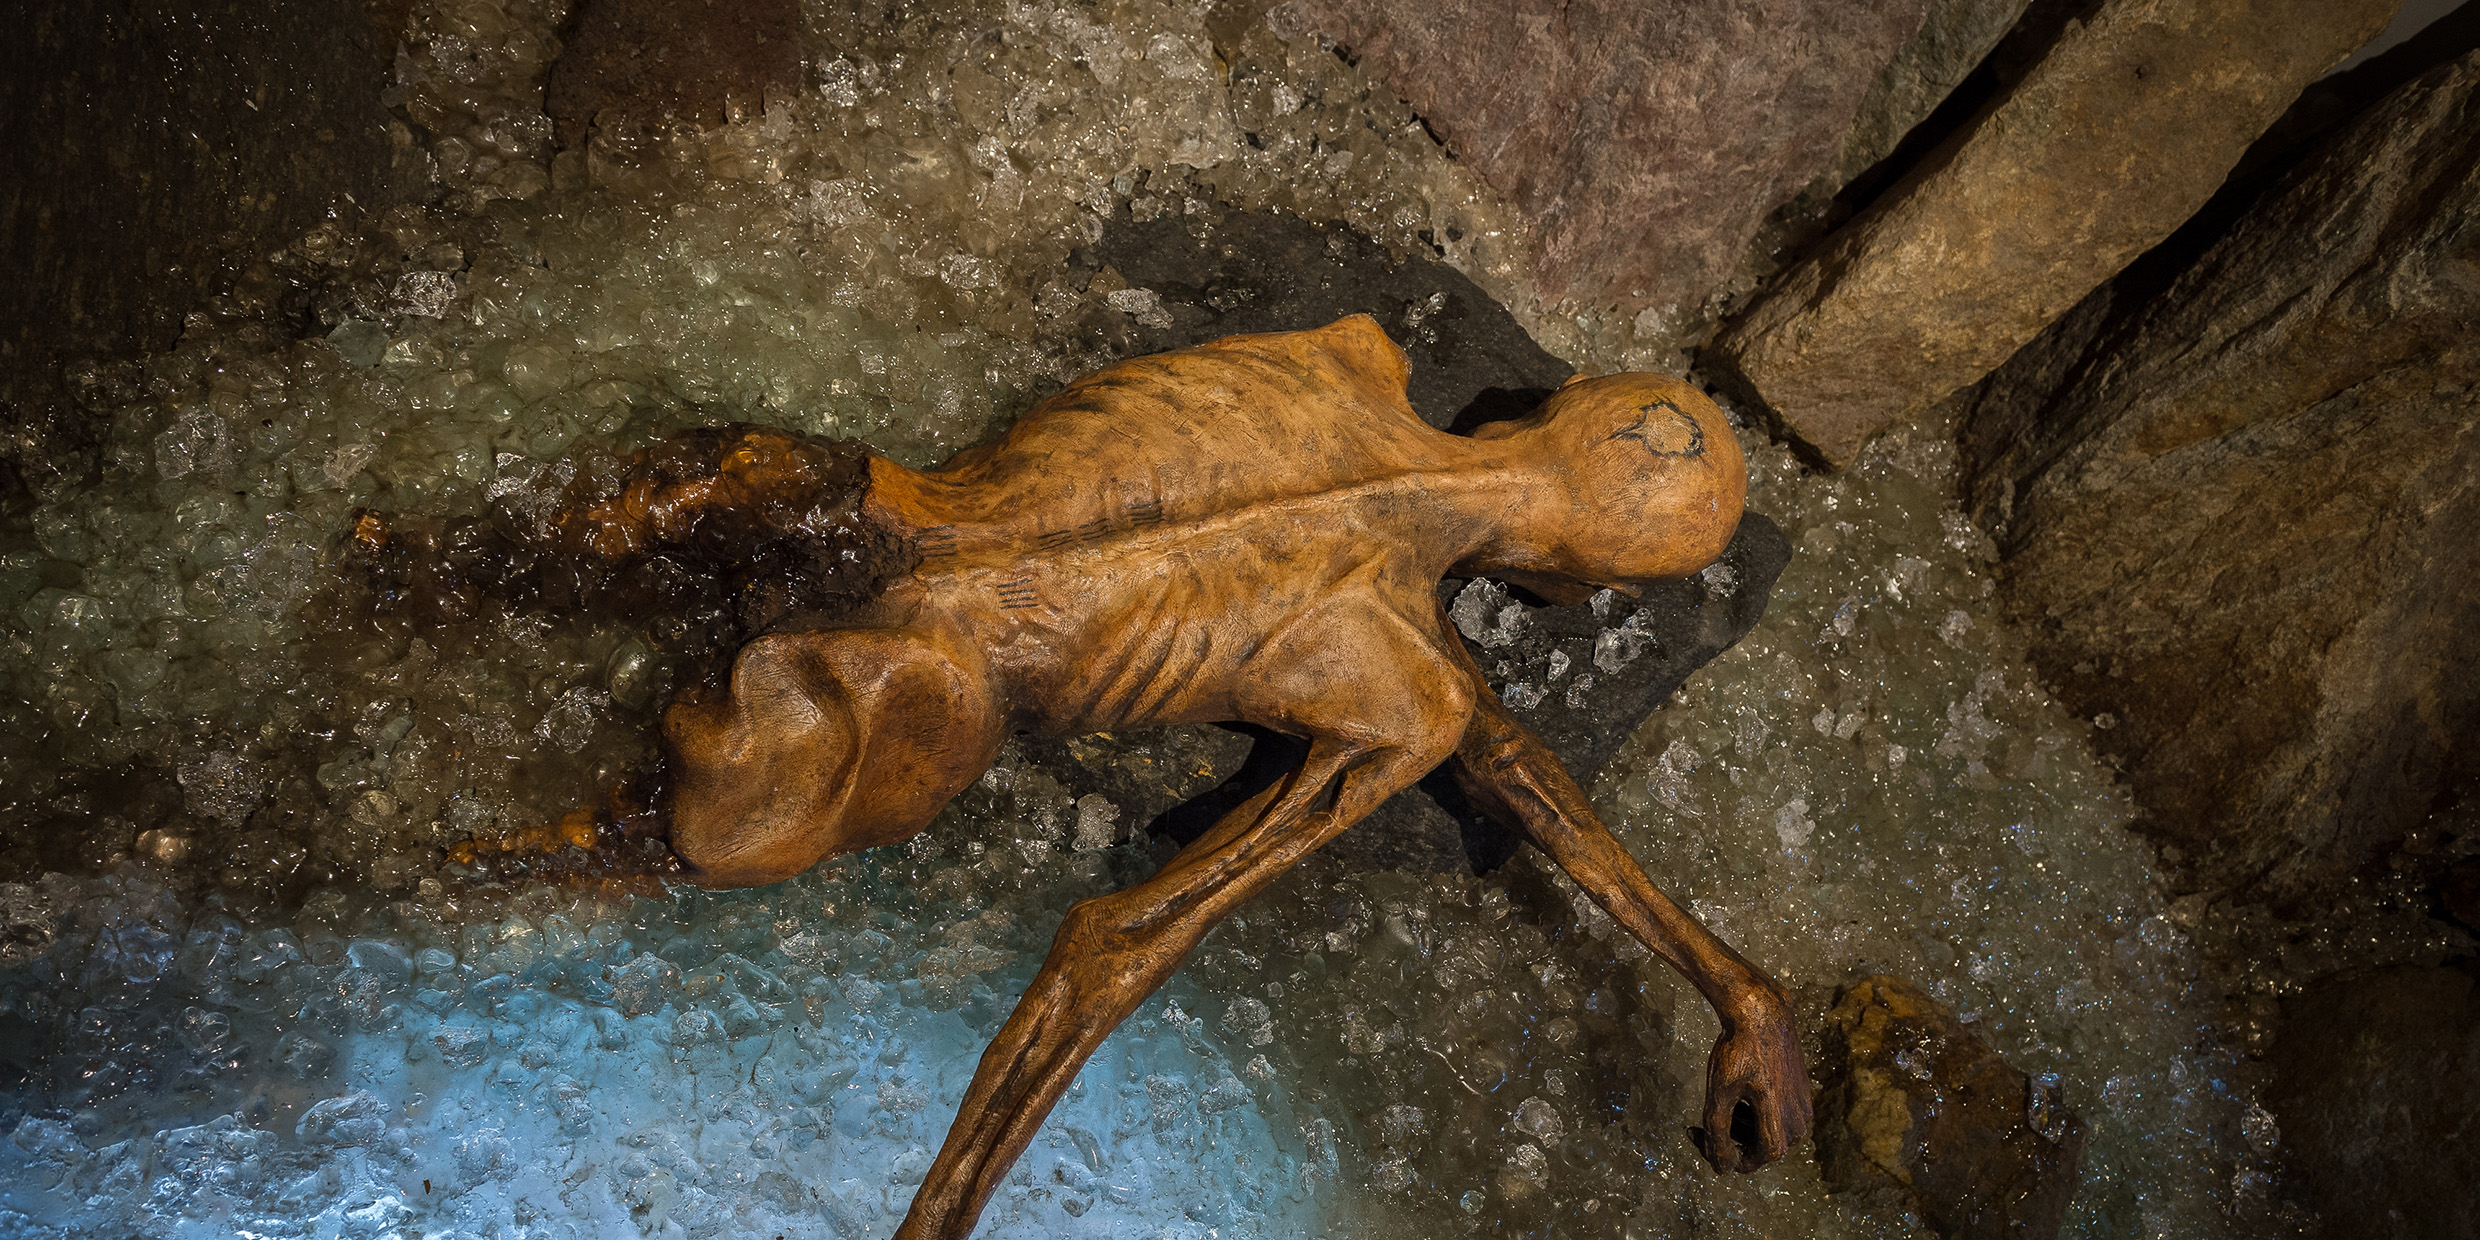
x: 1644, y: 413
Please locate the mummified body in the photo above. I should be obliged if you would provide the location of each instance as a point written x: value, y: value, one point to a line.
x: 1252, y: 530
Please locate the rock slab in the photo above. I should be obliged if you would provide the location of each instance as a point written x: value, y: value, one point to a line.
x: 2124, y: 127
x: 1913, y: 1106
x: 1645, y: 140
x: 2239, y: 513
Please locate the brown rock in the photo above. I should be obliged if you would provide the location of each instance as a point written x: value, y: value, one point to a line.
x: 705, y: 61
x: 2375, y: 1082
x: 2126, y: 125
x: 1951, y: 44
x: 2239, y: 513
x: 1915, y: 1107
x: 1645, y: 139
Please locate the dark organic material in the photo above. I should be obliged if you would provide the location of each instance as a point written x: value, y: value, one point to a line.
x: 1916, y: 1107
x: 1250, y: 530
x: 2127, y: 124
x: 2376, y: 1080
x: 703, y: 61
x: 1645, y: 141
x: 2239, y: 512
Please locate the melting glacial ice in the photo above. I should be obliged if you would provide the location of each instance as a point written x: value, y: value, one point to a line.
x: 782, y: 1062
x: 239, y: 995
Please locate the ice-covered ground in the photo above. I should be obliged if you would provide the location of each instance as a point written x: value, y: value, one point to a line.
x: 272, y: 1017
x: 781, y: 1063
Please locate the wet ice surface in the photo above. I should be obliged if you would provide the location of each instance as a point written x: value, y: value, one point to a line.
x: 783, y: 1062
x: 273, y: 1016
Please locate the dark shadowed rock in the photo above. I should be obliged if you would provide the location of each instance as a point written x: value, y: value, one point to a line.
x: 2125, y: 126
x: 2461, y: 894
x: 705, y: 61
x: 1645, y: 140
x: 155, y: 151
x: 1223, y: 273
x: 2239, y: 511
x: 1582, y: 676
x: 1913, y: 1107
x: 2375, y: 1083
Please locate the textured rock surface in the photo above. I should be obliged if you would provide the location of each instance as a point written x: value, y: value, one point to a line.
x: 1915, y: 1106
x: 2376, y: 1080
x: 2239, y: 513
x: 2127, y: 125
x: 1950, y: 45
x: 705, y: 61
x: 1645, y: 140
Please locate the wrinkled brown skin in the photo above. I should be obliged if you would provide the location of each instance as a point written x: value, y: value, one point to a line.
x: 1250, y: 530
